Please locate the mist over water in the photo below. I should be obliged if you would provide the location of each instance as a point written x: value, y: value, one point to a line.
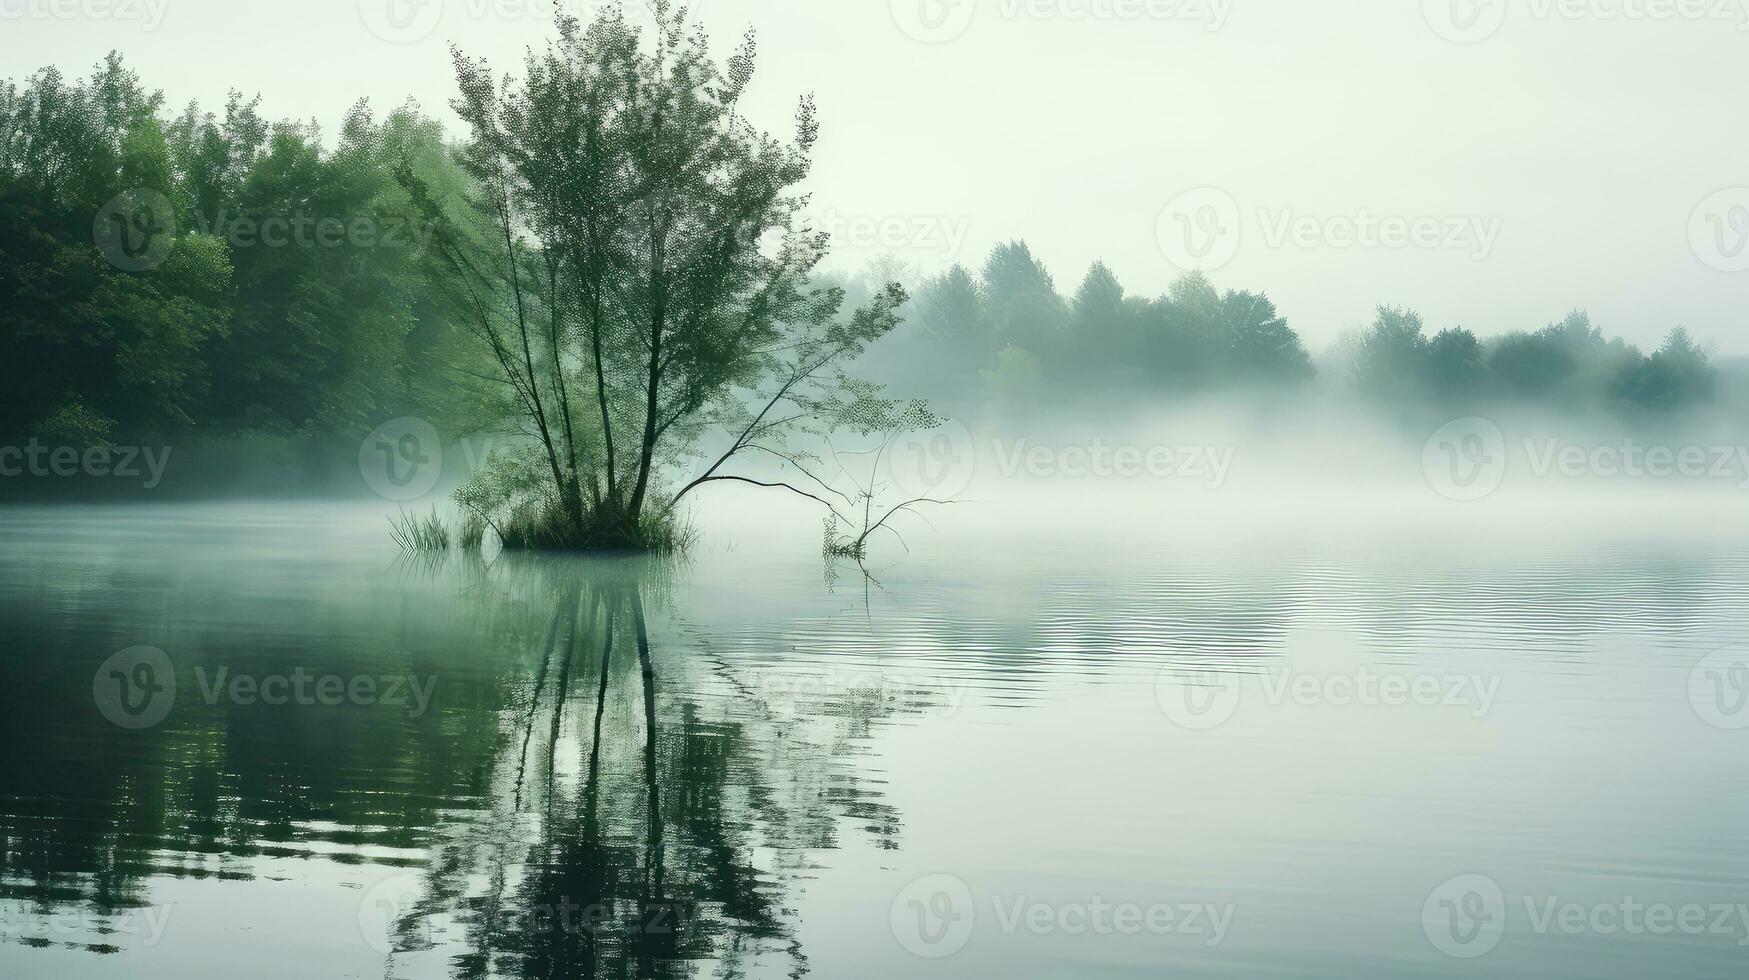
x: 1299, y: 717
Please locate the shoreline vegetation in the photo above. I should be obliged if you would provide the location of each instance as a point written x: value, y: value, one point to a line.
x: 612, y: 271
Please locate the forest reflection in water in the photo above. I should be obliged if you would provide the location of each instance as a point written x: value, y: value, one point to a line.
x: 572, y: 801
x: 729, y: 767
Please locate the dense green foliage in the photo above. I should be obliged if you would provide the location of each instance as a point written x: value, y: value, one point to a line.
x: 636, y: 264
x: 271, y: 284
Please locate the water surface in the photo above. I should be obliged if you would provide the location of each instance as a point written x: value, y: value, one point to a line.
x: 1165, y: 748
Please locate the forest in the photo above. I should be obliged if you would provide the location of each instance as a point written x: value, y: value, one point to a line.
x: 264, y: 292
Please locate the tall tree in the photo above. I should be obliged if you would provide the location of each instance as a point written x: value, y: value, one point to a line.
x: 638, y: 266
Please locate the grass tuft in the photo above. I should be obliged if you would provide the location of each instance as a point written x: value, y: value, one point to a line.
x: 414, y: 533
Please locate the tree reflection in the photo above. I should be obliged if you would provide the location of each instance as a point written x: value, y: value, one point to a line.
x: 621, y: 838
x: 594, y: 792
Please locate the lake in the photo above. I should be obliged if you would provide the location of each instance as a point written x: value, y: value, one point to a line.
x: 1087, y: 735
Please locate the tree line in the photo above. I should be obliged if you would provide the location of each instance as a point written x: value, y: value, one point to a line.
x: 204, y: 274
x: 1004, y: 340
x: 615, y: 267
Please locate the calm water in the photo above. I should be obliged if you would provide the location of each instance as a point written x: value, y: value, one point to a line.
x: 1194, y: 745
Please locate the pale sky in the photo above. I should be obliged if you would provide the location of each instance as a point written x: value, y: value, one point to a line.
x: 1548, y: 154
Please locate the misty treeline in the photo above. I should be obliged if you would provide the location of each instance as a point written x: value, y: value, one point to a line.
x: 618, y: 276
x: 1005, y: 342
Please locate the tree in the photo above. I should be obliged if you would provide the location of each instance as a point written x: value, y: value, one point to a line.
x: 1678, y: 375
x: 1098, y: 306
x: 949, y: 307
x: 1454, y: 363
x: 1391, y: 360
x: 637, y: 265
x: 1263, y: 347
x: 1021, y: 298
x: 89, y: 347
